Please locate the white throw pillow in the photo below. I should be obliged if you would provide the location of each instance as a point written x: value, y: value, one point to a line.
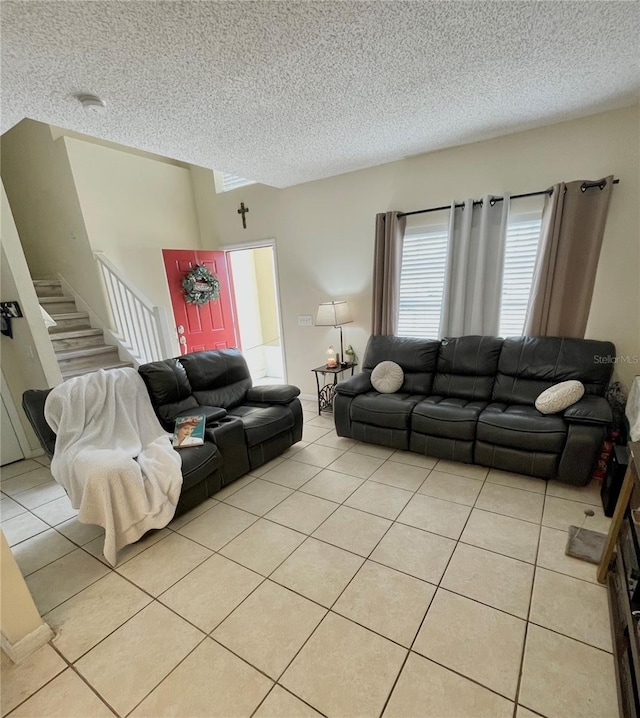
x: 559, y: 396
x: 387, y: 377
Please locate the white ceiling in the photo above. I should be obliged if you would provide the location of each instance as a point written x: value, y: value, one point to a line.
x: 286, y: 92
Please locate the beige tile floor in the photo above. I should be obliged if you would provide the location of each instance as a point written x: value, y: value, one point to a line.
x: 341, y: 579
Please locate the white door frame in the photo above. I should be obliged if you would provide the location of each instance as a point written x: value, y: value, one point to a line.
x: 258, y: 244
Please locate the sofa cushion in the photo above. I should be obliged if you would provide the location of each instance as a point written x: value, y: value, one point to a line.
x: 467, y: 367
x: 218, y: 378
x: 521, y: 427
x: 416, y: 357
x: 387, y: 377
x: 529, y: 365
x: 559, y: 397
x: 447, y: 417
x: 391, y: 411
x: 198, y: 462
x: 262, y: 422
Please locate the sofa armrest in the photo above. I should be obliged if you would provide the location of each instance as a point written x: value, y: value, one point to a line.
x: 354, y: 385
x: 212, y: 414
x: 589, y: 410
x: 273, y: 393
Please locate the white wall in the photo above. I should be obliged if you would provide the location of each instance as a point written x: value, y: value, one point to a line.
x: 41, y: 191
x: 324, y: 230
x: 28, y: 360
x: 133, y: 207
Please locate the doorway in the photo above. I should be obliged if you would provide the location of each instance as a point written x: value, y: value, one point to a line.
x: 254, y: 286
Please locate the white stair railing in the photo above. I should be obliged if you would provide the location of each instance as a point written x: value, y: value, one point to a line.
x: 141, y: 327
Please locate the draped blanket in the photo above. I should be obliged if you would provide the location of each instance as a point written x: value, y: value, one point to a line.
x: 112, y: 456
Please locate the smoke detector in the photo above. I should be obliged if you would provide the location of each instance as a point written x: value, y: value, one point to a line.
x: 92, y: 104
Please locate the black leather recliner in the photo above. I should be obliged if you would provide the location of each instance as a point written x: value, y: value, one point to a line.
x: 245, y: 426
x: 472, y: 399
x: 250, y: 425
x: 201, y: 465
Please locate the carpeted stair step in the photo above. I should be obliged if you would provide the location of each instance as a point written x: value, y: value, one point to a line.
x: 58, y: 305
x: 77, y: 339
x: 48, y: 287
x: 69, y: 320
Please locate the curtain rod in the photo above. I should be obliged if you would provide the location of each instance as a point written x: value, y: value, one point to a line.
x: 585, y: 185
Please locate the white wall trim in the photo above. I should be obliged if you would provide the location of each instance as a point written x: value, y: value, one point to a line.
x: 17, y: 652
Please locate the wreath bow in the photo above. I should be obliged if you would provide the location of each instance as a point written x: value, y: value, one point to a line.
x: 200, y: 285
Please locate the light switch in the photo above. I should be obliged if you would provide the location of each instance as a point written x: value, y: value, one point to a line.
x: 305, y: 320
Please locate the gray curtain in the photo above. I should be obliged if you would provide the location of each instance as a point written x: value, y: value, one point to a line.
x: 573, y: 223
x: 387, y: 264
x: 475, y: 264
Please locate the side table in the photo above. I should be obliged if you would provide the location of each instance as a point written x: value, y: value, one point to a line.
x: 327, y: 391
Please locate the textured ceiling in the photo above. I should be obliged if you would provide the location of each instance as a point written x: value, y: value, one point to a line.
x: 285, y: 92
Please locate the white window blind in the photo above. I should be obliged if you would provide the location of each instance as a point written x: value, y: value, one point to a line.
x: 424, y: 259
x: 230, y: 181
x: 523, y: 238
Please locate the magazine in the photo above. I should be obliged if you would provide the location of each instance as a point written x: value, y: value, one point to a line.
x: 189, y: 431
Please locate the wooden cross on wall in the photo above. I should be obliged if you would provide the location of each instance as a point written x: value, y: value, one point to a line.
x: 243, y: 211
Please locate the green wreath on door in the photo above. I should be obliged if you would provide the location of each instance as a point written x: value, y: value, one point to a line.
x: 200, y: 286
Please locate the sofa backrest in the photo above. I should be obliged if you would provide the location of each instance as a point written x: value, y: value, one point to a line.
x: 169, y: 389
x: 417, y: 357
x: 529, y: 365
x: 467, y: 367
x: 218, y: 378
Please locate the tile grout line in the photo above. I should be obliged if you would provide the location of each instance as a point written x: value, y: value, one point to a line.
x: 306, y: 536
x: 527, y: 623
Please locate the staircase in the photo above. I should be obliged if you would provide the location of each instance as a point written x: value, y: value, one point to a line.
x: 79, y: 348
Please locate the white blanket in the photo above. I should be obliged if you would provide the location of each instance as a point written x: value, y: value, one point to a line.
x: 112, y: 456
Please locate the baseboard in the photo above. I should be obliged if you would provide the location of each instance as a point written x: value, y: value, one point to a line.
x: 308, y: 397
x: 17, y: 652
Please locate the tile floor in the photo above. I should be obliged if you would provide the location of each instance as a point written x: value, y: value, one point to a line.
x: 341, y: 579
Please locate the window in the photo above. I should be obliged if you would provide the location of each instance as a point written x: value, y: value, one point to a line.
x: 230, y: 181
x: 422, y: 276
x: 521, y: 250
x: 424, y: 260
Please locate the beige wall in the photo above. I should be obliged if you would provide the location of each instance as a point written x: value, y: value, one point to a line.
x: 41, y: 191
x: 19, y: 617
x: 133, y: 207
x: 28, y: 360
x: 266, y: 289
x: 324, y: 230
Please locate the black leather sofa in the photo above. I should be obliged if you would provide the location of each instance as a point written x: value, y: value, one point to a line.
x: 472, y: 399
x: 247, y: 427
x: 250, y: 425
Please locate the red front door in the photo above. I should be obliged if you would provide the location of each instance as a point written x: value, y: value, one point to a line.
x: 206, y: 326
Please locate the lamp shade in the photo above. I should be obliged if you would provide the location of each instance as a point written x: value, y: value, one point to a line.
x: 333, y: 314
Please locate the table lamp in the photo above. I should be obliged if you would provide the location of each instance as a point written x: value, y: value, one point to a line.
x: 334, y: 314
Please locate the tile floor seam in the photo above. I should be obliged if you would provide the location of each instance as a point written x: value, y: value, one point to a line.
x: 573, y: 638
x: 458, y: 541
x: 528, y: 621
x: 97, y: 643
x: 288, y: 690
x: 77, y: 592
x: 129, y: 712
x: 44, y: 503
x: 493, y: 551
x: 568, y: 575
x: 206, y: 558
x: 8, y: 715
x: 393, y: 687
